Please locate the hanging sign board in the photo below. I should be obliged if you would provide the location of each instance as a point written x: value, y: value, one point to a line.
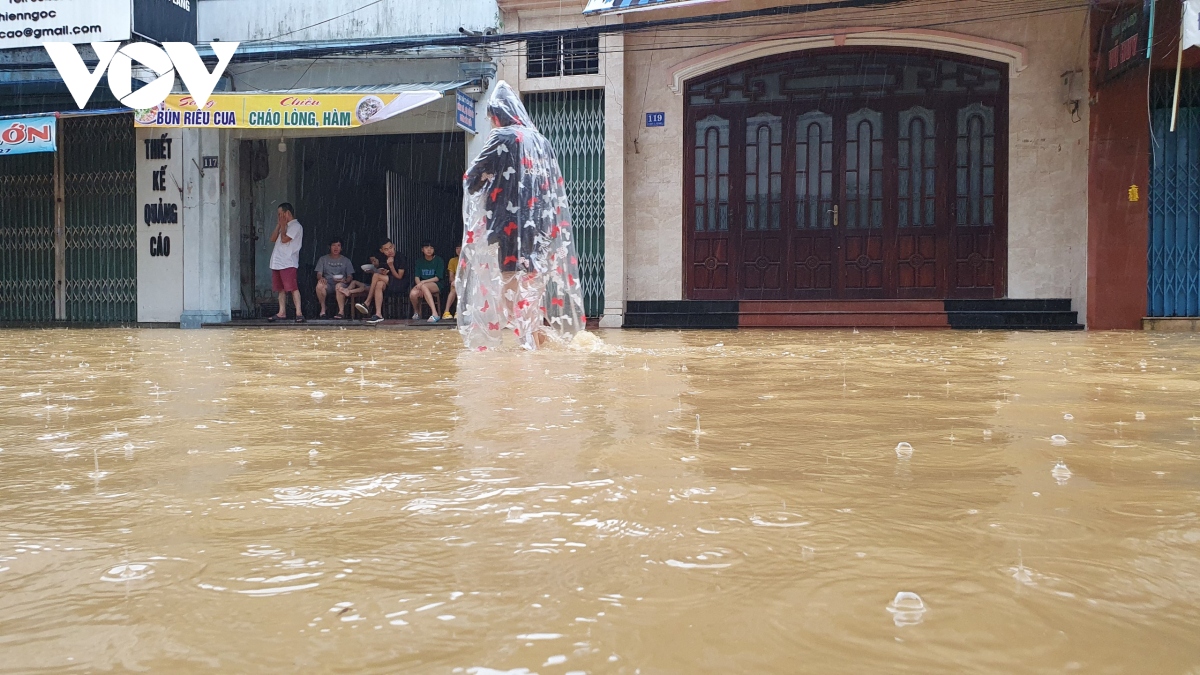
x: 1191, y: 24
x: 29, y: 24
x: 165, y: 20
x: 160, y: 224
x: 464, y: 113
x: 25, y: 135
x: 282, y: 111
x: 1123, y: 41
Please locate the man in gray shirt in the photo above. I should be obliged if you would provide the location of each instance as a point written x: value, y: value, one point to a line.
x: 336, y: 269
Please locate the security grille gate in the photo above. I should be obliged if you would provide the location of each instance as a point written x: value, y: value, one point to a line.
x: 101, y: 223
x: 27, y: 237
x: 1174, y: 253
x: 573, y: 121
x: 96, y: 249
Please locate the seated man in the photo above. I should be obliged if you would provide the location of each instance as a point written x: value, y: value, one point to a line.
x: 334, y: 270
x: 428, y: 272
x: 386, y: 280
x: 452, y: 274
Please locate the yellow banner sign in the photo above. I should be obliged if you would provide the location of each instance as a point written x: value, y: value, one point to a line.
x: 282, y: 111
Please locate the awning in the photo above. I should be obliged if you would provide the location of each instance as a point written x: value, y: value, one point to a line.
x: 329, y: 107
x: 623, y: 6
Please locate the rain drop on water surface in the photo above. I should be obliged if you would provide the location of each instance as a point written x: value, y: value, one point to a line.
x: 907, y: 608
x: 1061, y: 473
x: 904, y: 450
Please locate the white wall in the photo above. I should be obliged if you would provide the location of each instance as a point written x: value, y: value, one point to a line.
x: 309, y: 20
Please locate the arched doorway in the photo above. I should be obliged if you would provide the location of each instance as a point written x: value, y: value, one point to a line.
x: 847, y: 174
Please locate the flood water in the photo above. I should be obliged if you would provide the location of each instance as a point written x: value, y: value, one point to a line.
x: 367, y: 501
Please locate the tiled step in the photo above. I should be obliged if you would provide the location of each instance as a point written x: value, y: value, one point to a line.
x: 1003, y: 314
x: 1015, y: 320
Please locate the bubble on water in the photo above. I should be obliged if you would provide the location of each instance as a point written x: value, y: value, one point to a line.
x: 1061, y: 473
x: 904, y: 450
x: 907, y: 609
x: 318, y: 394
x: 128, y: 572
x: 1068, y: 417
x: 1058, y: 439
x: 313, y: 453
x: 555, y: 660
x: 1139, y: 416
x: 349, y: 370
x: 987, y: 433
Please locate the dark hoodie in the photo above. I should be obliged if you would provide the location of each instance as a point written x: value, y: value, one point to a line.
x: 525, y: 199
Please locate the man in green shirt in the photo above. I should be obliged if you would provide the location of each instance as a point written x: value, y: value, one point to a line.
x: 428, y: 272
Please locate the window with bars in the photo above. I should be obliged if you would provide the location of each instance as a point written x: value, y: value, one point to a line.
x: 563, y: 55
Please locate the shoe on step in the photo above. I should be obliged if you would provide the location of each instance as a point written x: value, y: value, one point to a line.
x: 375, y: 318
x: 433, y: 319
x: 447, y: 316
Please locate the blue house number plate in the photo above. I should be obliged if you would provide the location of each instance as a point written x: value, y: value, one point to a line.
x: 656, y: 119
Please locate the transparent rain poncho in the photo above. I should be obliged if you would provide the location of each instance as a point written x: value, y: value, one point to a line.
x: 518, y: 269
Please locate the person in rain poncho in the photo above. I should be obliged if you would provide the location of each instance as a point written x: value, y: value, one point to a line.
x: 518, y: 268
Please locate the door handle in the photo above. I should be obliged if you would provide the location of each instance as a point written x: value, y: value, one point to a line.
x: 834, y: 211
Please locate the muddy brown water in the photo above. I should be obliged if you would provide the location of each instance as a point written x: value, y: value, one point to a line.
x: 383, y: 502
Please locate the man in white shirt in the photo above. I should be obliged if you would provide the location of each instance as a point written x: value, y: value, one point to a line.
x: 285, y: 260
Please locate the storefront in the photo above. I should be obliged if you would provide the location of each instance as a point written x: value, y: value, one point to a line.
x: 68, y: 221
x: 1144, y: 182
x: 844, y: 166
x: 351, y: 178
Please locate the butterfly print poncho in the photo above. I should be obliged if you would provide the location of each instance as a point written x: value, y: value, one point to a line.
x: 518, y: 270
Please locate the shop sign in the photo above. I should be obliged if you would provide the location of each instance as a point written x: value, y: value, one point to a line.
x: 160, y: 190
x: 29, y: 24
x: 464, y: 114
x: 25, y: 135
x: 165, y: 20
x: 1123, y: 41
x: 281, y: 111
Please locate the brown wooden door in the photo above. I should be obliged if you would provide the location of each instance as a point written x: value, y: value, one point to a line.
x: 847, y: 175
x: 762, y: 245
x: 710, y: 273
x: 859, y: 219
x: 814, y: 243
